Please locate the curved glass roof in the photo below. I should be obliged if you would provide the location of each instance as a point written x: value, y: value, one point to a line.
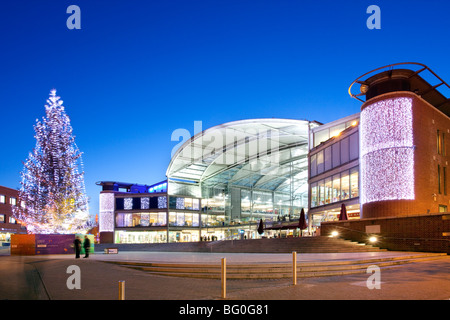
x: 265, y: 154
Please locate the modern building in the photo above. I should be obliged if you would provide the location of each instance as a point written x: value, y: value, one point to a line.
x: 334, y: 170
x: 390, y: 160
x: 8, y: 225
x: 220, y: 184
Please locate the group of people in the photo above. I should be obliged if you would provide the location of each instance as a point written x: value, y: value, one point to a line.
x: 86, y: 246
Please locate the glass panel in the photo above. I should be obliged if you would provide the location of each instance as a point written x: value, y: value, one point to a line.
x: 327, y: 159
x: 336, y: 188
x: 345, y: 185
x: 336, y: 154
x: 321, y: 192
x: 354, y: 182
x: 328, y: 190
x: 195, y: 204
x: 172, y: 218
x: 145, y: 219
x: 188, y: 203
x: 313, y: 165
x: 354, y: 146
x: 128, y: 203
x: 245, y: 201
x: 344, y: 150
x: 145, y: 203
x: 320, y: 164
x: 334, y: 131
x: 195, y: 217
x: 321, y: 136
x: 313, y: 195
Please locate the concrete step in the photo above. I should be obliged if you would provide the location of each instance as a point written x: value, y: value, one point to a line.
x: 274, y: 271
x: 284, y: 245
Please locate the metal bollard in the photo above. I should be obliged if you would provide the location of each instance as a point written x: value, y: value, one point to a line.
x: 224, y: 277
x: 121, y: 290
x: 294, y: 267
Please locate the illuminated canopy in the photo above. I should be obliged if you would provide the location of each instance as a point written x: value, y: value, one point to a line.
x: 265, y: 154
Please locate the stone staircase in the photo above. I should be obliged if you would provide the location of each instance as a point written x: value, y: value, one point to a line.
x: 318, y: 244
x: 276, y: 270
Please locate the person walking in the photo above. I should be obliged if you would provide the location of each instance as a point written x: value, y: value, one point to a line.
x: 87, y: 246
x: 77, y: 247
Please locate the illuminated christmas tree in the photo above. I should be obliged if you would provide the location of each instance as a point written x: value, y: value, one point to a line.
x: 52, y: 198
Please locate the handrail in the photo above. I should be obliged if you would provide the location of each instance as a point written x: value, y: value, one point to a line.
x: 424, y: 67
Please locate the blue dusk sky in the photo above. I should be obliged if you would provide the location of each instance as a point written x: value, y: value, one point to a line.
x: 138, y: 70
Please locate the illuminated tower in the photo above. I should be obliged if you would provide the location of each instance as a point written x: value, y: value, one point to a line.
x: 404, y: 129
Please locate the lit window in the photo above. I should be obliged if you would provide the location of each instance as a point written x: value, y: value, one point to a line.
x: 128, y: 203
x: 12, y: 201
x: 2, y: 198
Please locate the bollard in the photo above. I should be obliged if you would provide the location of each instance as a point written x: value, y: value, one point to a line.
x: 121, y: 290
x: 224, y: 277
x: 294, y: 267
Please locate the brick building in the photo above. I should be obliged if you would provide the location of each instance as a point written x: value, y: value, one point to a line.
x: 8, y: 225
x: 404, y: 139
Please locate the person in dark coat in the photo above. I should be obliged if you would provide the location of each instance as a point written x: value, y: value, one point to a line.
x: 87, y: 246
x: 77, y: 247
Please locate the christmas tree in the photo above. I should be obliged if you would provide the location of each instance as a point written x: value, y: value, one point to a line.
x: 52, y: 198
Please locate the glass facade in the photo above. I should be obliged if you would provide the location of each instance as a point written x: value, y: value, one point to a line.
x: 335, y: 155
x: 335, y: 188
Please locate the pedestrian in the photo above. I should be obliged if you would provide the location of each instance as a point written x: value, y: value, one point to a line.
x: 87, y: 246
x: 77, y: 247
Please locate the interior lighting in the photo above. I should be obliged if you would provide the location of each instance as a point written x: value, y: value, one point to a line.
x: 334, y: 234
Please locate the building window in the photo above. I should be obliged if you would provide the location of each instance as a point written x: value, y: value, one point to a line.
x: 345, y: 155
x: 336, y: 188
x: 444, y: 151
x: 354, y: 182
x: 439, y: 142
x: 2, y: 218
x: 320, y: 162
x: 328, y: 186
x: 314, y: 195
x: 12, y: 220
x: 444, y: 179
x: 313, y: 165
x: 336, y: 154
x: 439, y: 179
x: 12, y: 201
x: 128, y: 203
x: 442, y: 208
x: 2, y: 198
x: 345, y: 186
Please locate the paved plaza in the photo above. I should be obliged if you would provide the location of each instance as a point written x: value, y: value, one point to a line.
x: 45, y: 278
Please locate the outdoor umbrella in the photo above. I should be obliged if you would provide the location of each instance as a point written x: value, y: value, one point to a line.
x: 261, y: 227
x: 343, y: 215
x: 302, y: 221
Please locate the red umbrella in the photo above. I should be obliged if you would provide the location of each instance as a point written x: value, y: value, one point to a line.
x: 261, y: 227
x: 302, y: 222
x: 343, y: 215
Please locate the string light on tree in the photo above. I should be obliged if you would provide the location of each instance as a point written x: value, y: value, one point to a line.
x: 52, y: 186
